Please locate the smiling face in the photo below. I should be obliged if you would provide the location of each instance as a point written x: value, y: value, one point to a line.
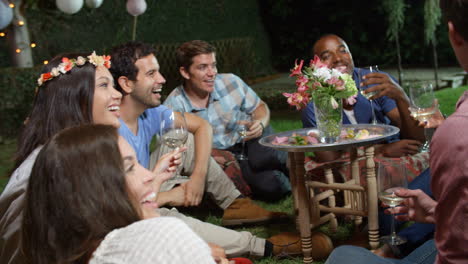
x: 106, y: 100
x: 334, y: 52
x: 141, y: 183
x: 149, y: 82
x: 201, y: 74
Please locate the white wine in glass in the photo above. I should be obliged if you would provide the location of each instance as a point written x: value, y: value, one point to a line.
x: 363, y: 71
x: 423, y: 106
x: 173, y: 131
x: 243, y: 121
x: 389, y: 198
x: 391, y: 176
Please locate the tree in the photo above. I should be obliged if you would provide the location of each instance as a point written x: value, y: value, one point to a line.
x: 432, y: 15
x: 395, y: 10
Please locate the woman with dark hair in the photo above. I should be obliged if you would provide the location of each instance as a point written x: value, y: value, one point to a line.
x: 93, y: 214
x: 74, y: 89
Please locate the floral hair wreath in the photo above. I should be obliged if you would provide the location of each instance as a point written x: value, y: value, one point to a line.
x: 67, y: 64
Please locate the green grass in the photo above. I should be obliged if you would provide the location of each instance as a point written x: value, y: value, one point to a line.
x: 448, y: 98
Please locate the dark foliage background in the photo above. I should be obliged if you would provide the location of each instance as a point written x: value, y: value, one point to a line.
x: 254, y: 38
x: 294, y: 25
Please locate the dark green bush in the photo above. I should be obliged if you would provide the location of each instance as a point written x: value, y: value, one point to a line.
x: 17, y: 86
x: 16, y: 96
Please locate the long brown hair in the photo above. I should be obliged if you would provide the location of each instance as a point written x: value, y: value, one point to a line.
x: 76, y: 195
x: 62, y: 102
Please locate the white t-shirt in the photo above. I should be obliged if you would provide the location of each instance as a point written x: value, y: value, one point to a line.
x: 351, y: 116
x: 158, y: 240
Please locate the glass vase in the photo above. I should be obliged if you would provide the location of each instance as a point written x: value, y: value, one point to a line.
x: 329, y: 119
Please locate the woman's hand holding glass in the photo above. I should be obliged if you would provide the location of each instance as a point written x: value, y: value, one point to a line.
x: 168, y: 163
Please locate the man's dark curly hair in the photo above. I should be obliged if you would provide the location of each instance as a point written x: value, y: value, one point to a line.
x: 123, y: 58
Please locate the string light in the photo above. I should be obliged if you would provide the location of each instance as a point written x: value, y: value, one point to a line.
x: 20, y: 23
x: 46, y: 62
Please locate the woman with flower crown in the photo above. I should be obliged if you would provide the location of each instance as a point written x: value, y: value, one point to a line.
x: 73, y: 90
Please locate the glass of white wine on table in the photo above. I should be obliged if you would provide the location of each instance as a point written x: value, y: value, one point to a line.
x: 391, y: 176
x: 363, y: 71
x: 423, y: 106
x: 174, y: 133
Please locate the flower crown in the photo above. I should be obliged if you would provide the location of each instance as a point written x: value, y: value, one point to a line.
x: 67, y: 64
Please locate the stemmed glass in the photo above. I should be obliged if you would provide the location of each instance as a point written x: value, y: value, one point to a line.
x: 391, y: 176
x: 423, y: 106
x: 173, y: 132
x: 243, y: 121
x: 363, y: 71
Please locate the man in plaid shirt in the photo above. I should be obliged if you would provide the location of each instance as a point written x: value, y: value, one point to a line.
x: 224, y: 100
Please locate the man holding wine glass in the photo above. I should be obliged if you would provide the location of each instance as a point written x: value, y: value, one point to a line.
x: 389, y: 103
x: 136, y: 73
x: 219, y: 98
x: 389, y: 106
x: 449, y: 179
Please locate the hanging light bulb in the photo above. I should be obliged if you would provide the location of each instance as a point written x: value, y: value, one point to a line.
x: 18, y: 50
x: 2, y: 34
x: 33, y: 45
x: 21, y: 23
x: 11, y: 5
x: 46, y: 62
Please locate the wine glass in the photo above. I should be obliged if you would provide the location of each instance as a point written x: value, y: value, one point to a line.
x: 173, y: 132
x: 391, y: 176
x: 363, y: 71
x: 423, y: 106
x: 243, y: 121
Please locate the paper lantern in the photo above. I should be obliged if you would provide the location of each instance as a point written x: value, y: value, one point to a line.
x: 93, y: 3
x: 136, y: 7
x: 69, y: 6
x: 6, y: 14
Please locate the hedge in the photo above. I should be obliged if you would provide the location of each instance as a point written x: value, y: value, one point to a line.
x: 17, y: 86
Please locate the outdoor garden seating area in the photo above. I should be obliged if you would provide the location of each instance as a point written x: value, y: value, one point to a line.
x: 233, y: 132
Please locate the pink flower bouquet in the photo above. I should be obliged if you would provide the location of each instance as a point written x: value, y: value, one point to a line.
x: 318, y: 82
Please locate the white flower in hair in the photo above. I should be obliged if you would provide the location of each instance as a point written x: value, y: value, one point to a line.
x: 80, y: 61
x: 96, y: 60
x: 55, y: 72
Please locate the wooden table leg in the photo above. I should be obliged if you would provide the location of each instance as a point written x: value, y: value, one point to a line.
x: 292, y: 178
x: 298, y: 172
x: 356, y: 174
x: 372, y: 201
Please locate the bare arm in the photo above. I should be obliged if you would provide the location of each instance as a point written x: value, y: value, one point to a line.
x: 203, y: 135
x: 261, y: 114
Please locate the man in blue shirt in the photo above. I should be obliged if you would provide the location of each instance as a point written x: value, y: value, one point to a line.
x: 390, y: 103
x: 136, y: 71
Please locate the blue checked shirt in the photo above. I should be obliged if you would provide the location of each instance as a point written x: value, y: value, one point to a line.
x: 230, y: 96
